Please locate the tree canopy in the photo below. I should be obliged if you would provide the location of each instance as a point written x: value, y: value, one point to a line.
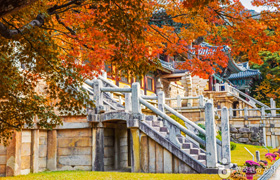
x: 62, y: 43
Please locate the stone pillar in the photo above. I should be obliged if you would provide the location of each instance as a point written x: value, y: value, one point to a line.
x: 272, y: 105
x: 245, y: 113
x: 211, y: 146
x: 98, y: 147
x: 187, y: 84
x: 226, y: 156
x: 128, y: 105
x: 98, y: 96
x: 135, y: 150
x: 136, y: 108
x: 52, y: 150
x: 13, y: 165
x: 262, y: 113
x: 159, y: 85
x: 117, y: 149
x: 104, y: 74
x: 179, y: 101
x: 217, y: 87
x: 230, y: 113
x: 201, y: 101
x: 258, y: 156
x: 161, y: 101
x: 35, y: 150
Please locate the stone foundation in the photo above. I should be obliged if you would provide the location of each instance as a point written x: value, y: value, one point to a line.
x: 250, y: 135
x: 74, y: 146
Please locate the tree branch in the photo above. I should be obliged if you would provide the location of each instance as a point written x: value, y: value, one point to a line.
x: 9, y: 33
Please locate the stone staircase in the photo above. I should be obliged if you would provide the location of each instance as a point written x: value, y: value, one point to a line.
x: 160, y: 127
x: 186, y: 145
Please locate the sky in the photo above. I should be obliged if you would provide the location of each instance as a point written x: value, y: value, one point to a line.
x: 248, y: 5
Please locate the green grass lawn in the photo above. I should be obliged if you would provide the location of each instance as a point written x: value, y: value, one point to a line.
x: 239, y: 156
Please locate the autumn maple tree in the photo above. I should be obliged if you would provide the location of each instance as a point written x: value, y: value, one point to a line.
x: 269, y: 87
x: 61, y: 43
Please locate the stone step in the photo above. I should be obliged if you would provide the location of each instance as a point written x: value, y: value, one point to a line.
x: 201, y: 157
x: 156, y: 124
x: 148, y: 122
x: 156, y: 128
x: 163, y: 129
x: 186, y: 151
x: 164, y: 134
x: 194, y: 151
x: 150, y: 118
x: 203, y: 162
x: 194, y: 156
x: 186, y: 146
x: 180, y: 139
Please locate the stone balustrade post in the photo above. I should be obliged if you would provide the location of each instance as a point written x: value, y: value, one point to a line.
x: 217, y: 87
x: 201, y: 101
x: 226, y: 156
x: 136, y: 106
x: 246, y: 113
x: 179, y: 101
x: 128, y: 105
x: 211, y: 146
x: 104, y: 74
x: 262, y: 113
x: 230, y: 113
x: 272, y: 105
x: 226, y: 87
x: 98, y: 96
x: 161, y: 101
x: 258, y: 156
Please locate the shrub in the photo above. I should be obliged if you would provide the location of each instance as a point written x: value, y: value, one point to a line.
x: 180, y: 121
x: 232, y: 146
x: 219, y: 136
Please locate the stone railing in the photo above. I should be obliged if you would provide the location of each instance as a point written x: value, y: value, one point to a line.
x: 200, y: 104
x: 134, y: 100
x: 239, y: 94
x: 252, y: 113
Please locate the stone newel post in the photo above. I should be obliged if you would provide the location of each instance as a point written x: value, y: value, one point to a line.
x: 226, y: 157
x: 211, y: 146
x: 133, y: 124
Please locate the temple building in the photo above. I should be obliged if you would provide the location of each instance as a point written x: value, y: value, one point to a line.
x: 245, y: 79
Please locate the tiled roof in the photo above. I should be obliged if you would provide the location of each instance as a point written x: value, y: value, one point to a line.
x: 245, y: 74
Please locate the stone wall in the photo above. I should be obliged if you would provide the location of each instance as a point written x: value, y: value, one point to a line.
x: 43, y: 139
x: 74, y: 146
x: 3, y: 159
x: 156, y: 159
x: 74, y: 149
x: 247, y: 135
x: 25, y: 152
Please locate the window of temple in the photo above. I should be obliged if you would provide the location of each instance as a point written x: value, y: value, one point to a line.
x: 150, y: 83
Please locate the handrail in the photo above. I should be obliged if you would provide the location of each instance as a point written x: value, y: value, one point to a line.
x: 168, y: 108
x: 150, y: 97
x: 247, y: 96
x: 183, y: 98
x: 250, y: 153
x: 112, y: 89
x: 172, y: 121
